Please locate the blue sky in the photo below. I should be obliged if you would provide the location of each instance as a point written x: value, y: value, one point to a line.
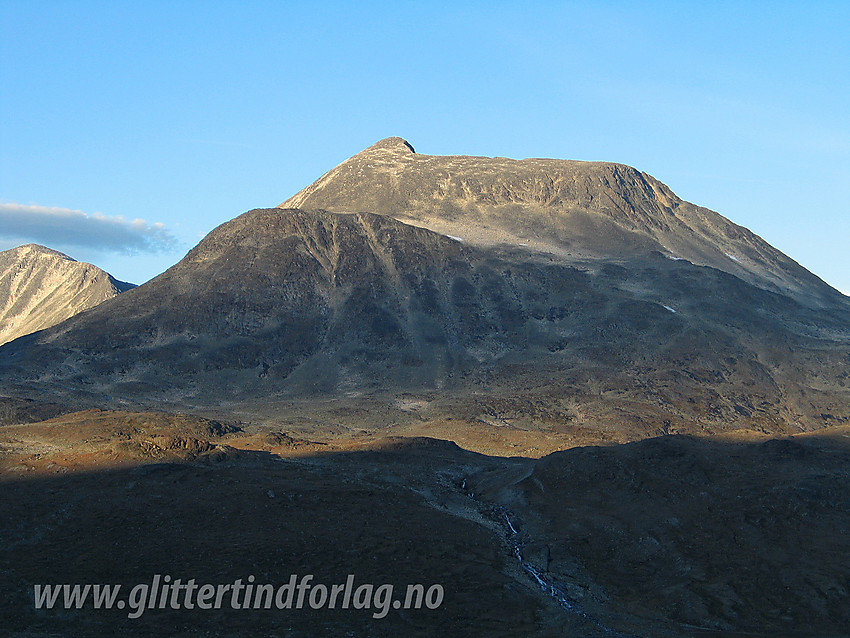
x: 128, y: 130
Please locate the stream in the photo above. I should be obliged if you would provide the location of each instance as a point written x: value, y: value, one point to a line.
x: 546, y: 584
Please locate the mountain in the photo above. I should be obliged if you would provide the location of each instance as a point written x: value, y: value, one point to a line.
x: 508, y: 305
x: 40, y: 287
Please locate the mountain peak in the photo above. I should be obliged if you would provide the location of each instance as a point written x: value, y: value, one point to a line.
x: 37, y: 249
x: 392, y: 144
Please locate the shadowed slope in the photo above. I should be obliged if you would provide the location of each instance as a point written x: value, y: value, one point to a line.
x: 725, y: 534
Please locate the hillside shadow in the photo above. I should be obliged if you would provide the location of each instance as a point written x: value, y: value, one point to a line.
x: 390, y: 515
x: 249, y: 515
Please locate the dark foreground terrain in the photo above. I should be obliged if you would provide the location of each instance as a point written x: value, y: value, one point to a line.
x: 673, y: 536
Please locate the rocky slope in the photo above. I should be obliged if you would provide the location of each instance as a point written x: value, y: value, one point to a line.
x: 40, y: 287
x: 571, y: 209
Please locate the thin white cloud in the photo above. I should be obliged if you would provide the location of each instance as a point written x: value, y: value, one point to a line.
x: 54, y: 226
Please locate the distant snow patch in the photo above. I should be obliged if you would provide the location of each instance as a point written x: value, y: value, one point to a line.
x: 455, y: 238
x: 732, y: 257
x: 670, y: 309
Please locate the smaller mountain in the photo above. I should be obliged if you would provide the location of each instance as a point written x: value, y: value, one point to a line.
x: 40, y: 287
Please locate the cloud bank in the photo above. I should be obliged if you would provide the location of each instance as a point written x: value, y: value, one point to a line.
x: 54, y: 226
